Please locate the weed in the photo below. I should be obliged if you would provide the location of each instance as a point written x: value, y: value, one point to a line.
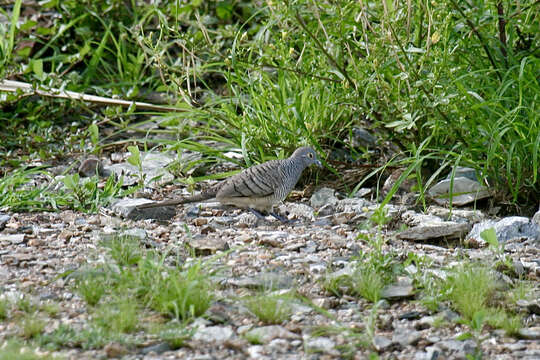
x: 91, y: 288
x: 368, y: 283
x: 253, y: 338
x: 26, y: 305
x: 125, y: 250
x: 50, y: 308
x: 32, y: 326
x: 182, y: 294
x: 117, y: 316
x: 175, y: 333
x: 469, y: 288
x: 270, y: 309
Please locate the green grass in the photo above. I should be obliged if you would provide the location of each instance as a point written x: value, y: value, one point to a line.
x: 270, y: 309
x: 117, y: 316
x: 91, y: 288
x: 31, y: 326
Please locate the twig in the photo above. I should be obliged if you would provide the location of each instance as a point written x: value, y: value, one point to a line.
x: 29, y: 89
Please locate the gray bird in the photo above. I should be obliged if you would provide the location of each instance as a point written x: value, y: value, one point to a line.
x: 257, y: 188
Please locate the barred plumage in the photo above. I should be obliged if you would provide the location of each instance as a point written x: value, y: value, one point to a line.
x: 259, y: 187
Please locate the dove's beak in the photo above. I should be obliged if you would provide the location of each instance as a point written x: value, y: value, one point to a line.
x: 318, y: 163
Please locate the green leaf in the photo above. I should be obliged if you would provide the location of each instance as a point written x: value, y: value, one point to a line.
x: 135, y: 157
x: 490, y: 237
x: 71, y: 181
x: 94, y: 133
x: 464, y: 336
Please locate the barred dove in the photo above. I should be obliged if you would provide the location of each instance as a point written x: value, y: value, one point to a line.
x: 257, y: 188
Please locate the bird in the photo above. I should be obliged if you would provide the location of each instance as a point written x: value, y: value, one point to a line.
x: 257, y: 188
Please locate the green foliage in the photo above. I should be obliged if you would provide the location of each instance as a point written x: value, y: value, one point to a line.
x: 125, y: 250
x: 182, y: 294
x: 91, y: 288
x: 267, y: 77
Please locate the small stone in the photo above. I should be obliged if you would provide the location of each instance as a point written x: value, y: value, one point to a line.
x: 411, y: 315
x: 205, y: 245
x: 127, y: 208
x: 532, y: 333
x: 156, y: 348
x: 532, y: 306
x: 431, y: 353
x: 115, y: 350
x: 507, y: 229
x: 381, y: 343
x: 323, y: 196
x: 214, y: 334
x: 4, y: 218
x: 200, y: 221
x: 137, y: 233
x: 265, y: 334
x: 91, y: 166
x: 321, y: 345
x: 405, y: 336
x: 193, y: 211
x: 464, y: 191
x: 12, y: 238
x: 396, y: 292
x: 441, y: 229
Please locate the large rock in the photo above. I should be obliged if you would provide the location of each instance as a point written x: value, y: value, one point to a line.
x: 507, y: 229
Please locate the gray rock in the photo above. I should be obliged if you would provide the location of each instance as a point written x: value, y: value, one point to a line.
x: 507, y: 229
x: 532, y: 306
x: 12, y: 238
x: 137, y: 233
x: 397, y: 291
x: 156, y: 348
x: 193, y: 211
x: 462, y: 171
x: 265, y: 334
x: 321, y: 345
x: 264, y: 280
x: 531, y: 333
x: 214, y: 334
x: 465, y: 191
x: 126, y: 208
x: 449, y: 230
x: 324, y: 221
x: 536, y: 217
x: 381, y: 343
x: 406, y: 336
x: 297, y: 211
x: 323, y: 196
x: 361, y: 138
x: 451, y: 345
x: 457, y: 215
x: 91, y: 166
x: 431, y: 353
x: 207, y: 245
x: 4, y: 218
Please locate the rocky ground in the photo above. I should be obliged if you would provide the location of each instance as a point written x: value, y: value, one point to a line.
x: 253, y: 255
